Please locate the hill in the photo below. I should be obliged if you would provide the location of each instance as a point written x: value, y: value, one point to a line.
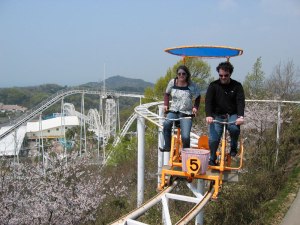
x: 30, y: 96
x: 120, y: 83
x: 33, y: 95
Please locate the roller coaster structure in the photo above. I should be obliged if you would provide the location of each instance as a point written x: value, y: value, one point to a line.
x: 111, y: 110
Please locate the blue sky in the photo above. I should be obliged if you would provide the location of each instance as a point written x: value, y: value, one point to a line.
x: 70, y: 42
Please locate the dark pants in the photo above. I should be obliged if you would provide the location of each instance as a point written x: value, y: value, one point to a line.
x: 216, y: 131
x: 185, y: 128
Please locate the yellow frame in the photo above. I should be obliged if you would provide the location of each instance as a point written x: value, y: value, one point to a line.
x: 175, y: 163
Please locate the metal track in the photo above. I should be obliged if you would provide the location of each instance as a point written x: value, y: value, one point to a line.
x: 125, y: 128
x: 131, y: 217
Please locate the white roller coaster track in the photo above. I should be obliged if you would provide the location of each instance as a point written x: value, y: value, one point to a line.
x: 92, y: 118
x: 125, y: 128
x: 143, y: 110
x: 94, y: 121
x: 110, y: 124
x: 69, y: 110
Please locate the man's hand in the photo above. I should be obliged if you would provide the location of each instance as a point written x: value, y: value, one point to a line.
x: 239, y: 121
x: 166, y: 108
x: 209, y: 119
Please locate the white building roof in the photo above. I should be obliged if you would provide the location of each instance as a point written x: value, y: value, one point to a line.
x: 7, y: 144
x: 52, y: 123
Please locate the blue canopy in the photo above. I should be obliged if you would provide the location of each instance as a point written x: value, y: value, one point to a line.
x: 205, y: 51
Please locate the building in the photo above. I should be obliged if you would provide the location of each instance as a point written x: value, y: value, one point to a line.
x: 11, y: 108
x: 46, y: 129
x: 51, y: 128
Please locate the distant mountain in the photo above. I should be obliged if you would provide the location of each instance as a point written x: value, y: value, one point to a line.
x: 120, y: 83
x: 31, y: 96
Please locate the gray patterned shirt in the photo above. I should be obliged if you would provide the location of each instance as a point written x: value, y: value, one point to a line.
x: 182, y: 97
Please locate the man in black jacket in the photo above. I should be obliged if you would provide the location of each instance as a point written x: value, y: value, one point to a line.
x: 225, y: 100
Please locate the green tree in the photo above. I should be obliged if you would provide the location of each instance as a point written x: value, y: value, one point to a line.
x: 254, y: 81
x: 200, y: 73
x: 12, y: 96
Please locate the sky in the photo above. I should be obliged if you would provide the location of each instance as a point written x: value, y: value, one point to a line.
x: 72, y: 42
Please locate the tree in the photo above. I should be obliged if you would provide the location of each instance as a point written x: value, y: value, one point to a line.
x: 200, y: 73
x: 254, y: 81
x: 157, y: 92
x: 65, y: 195
x: 284, y: 81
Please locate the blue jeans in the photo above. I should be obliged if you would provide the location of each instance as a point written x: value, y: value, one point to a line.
x: 185, y: 128
x: 215, y: 134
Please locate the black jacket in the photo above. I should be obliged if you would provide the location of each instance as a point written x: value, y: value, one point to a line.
x: 224, y: 99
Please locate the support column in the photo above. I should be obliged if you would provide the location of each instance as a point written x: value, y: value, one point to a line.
x: 200, y: 189
x: 141, y: 160
x: 160, y: 144
x: 42, y: 142
x: 278, y: 131
x: 63, y: 129
x: 82, y: 127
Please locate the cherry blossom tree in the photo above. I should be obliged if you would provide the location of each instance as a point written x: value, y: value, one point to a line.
x: 63, y: 195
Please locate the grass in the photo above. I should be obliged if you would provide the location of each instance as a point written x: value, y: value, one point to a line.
x: 277, y: 208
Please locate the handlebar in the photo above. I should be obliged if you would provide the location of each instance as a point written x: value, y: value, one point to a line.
x: 177, y: 119
x: 180, y: 118
x: 224, y: 122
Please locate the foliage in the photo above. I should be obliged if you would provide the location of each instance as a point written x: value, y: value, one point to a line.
x: 248, y: 202
x: 157, y: 92
x: 254, y: 82
x: 200, y: 73
x: 64, y: 194
x: 124, y: 151
x: 122, y: 169
x: 284, y: 82
x: 73, y: 135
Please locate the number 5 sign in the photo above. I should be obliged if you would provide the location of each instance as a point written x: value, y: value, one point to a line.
x: 193, y: 165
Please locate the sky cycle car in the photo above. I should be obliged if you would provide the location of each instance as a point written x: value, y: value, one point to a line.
x: 192, y: 163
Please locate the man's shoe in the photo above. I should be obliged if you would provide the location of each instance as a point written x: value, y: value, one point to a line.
x: 233, y: 153
x: 212, y: 163
x: 164, y: 150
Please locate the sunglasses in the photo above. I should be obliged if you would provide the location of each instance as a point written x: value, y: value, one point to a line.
x: 225, y: 75
x: 183, y: 74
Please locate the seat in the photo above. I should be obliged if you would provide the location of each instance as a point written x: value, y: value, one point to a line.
x: 203, y: 142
